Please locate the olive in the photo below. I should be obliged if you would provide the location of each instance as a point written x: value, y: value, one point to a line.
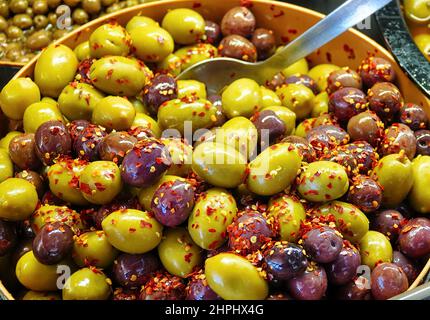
x: 185, y: 25
x: 212, y: 32
x: 408, y: 266
x: 366, y: 126
x: 163, y: 286
x: 352, y: 291
x: 87, y: 284
x: 80, y: 16
x: 23, y: 21
x: 22, y: 152
x: 375, y: 248
x: 40, y: 21
x: 388, y: 280
x: 269, y: 98
x: 181, y: 153
x: 76, y: 127
x: 319, y: 73
x: 115, y: 146
x: 265, y: 43
x: 40, y: 6
x: 115, y: 205
x: 238, y: 20
x: 53, y: 243
x: 39, y: 40
x: 365, y: 193
x: 298, y: 98
x: 306, y: 151
x: 161, y: 88
x: 414, y: 238
x: 389, y: 223
x: 270, y: 127
x: 93, y: 248
x: 413, y: 116
x: 140, y: 21
x: 346, y: 103
x: 114, y: 113
x: 91, y: 6
x: 18, y: 6
x: 8, y: 237
x: 191, y: 88
x: 423, y: 142
x: 198, y: 289
x: 310, y: 285
x: 399, y: 137
x: 87, y: 142
x: 344, y: 268
x: 109, y: 39
x: 82, y: 52
x: 35, y: 295
x: 38, y: 113
x: 14, y: 32
x: 18, y: 199
x: 385, y: 99
x: 323, y: 244
x: 134, y: 270
x: 375, y: 69
x: 238, y: 47
x: 343, y: 78
x: 190, y: 55
x: 326, y: 137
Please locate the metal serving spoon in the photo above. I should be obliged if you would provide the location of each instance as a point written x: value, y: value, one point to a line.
x: 219, y: 72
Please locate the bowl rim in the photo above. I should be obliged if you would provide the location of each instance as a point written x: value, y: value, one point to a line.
x: 399, y: 40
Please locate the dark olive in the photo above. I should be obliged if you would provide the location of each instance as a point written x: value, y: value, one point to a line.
x: 423, y: 142
x: 385, y: 99
x: 310, y: 285
x: 80, y: 16
x: 86, y: 143
x: 303, y: 79
x: 8, y: 237
x: 269, y: 126
x: 198, y: 289
x: 34, y: 178
x: 76, y: 127
x: 213, y: 32
x: 365, y: 193
x: 119, y: 204
x: 322, y: 244
x: 414, y: 238
x: 399, y: 137
x: 238, y: 47
x: 374, y: 69
x: 52, y: 140
x: 265, y: 42
x: 22, y: 152
x: 366, y: 126
x: 141, y: 133
x: 163, y: 286
x: 343, y: 78
x: 162, y: 88
x: 305, y: 149
x: 327, y: 137
x: 413, y: 116
x: 115, y: 146
x: 344, y: 268
x: 388, y: 280
x: 408, y: 266
x: 346, y: 103
x: 277, y: 81
x: 389, y: 223
x: 216, y: 101
x: 238, y: 20
x: 352, y: 291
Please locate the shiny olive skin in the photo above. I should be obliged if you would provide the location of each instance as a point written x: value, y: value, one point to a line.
x: 18, y: 199
x: 343, y: 78
x: 269, y: 98
x: 145, y: 164
x: 320, y: 103
x: 419, y: 194
x: 93, y: 248
x: 241, y: 98
x: 76, y: 127
x: 374, y: 70
x: 399, y: 137
x: 77, y: 101
x: 274, y: 169
x: 298, y: 98
x: 366, y: 126
x: 310, y: 285
x: 265, y: 43
x: 238, y: 20
x: 38, y: 113
x: 346, y: 103
x: 191, y: 88
x: 269, y: 125
x: 423, y: 142
x: 351, y: 221
x: 190, y: 55
x: 8, y: 237
x: 199, y: 290
x: 306, y: 151
x: 134, y: 270
x: 238, y: 47
x: 388, y: 280
x: 351, y: 291
x: 395, y: 174
x: 114, y: 113
x: 109, y: 39
x: 284, y: 261
x: 115, y: 146
x: 385, y: 100
x: 322, y: 244
x: 139, y: 21
x: 417, y: 10
x: 178, y: 252
x: 17, y: 95
x: 35, y: 295
x: 181, y: 153
x: 6, y: 165
x: 132, y: 231
x: 4, y: 142
x: 365, y: 193
x: 87, y: 284
x: 219, y: 164
x: 82, y: 51
x: 122, y: 202
x: 151, y: 43
x: 212, y: 32
x: 171, y: 64
x: 249, y: 232
x: 86, y: 143
x: 52, y: 213
x: 22, y: 152
x: 325, y: 137
x: 344, y: 268
x: 320, y: 74
x: 174, y: 113
x: 226, y: 274
x: 388, y: 222
x: 408, y: 266
x: 160, y: 89
x: 100, y: 182
x: 146, y: 194
x: 54, y: 69
x: 323, y: 181
x: 414, y: 116
x: 53, y: 243
x: 213, y: 212
x: 117, y: 75
x: 186, y: 26
x: 63, y: 180
x: 375, y: 248
x: 163, y: 286
x: 304, y: 80
x: 414, y: 238
x: 52, y: 140
x: 144, y: 126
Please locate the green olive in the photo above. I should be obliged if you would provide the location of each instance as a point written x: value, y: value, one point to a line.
x: 140, y: 21
x: 118, y: 76
x: 17, y: 95
x: 323, y: 181
x: 213, y: 212
x: 63, y: 179
x: 423, y: 43
x: 289, y: 213
x: 36, y: 276
x: 132, y: 231
x: 417, y: 10
x: 146, y: 194
x: 181, y: 154
x: 139, y: 106
x: 395, y: 174
x: 233, y: 277
x: 82, y: 51
x: 151, y: 43
x: 298, y: 98
x: 23, y: 21
x: 100, y: 182
x: 171, y: 64
x: 179, y: 113
x: 49, y: 214
x: 36, y: 295
x: 93, y: 248
x: 219, y: 164
x: 18, y: 199
x: 78, y: 100
x: 239, y: 133
x: 320, y: 74
x: 375, y: 248
x: 39, y: 40
x: 6, y: 165
x: 419, y: 196
x: 304, y: 127
x: 55, y: 68
x: 178, y: 252
x: 191, y: 55
x: 194, y: 88
x: 4, y: 142
x: 320, y: 104
x: 146, y: 121
x: 269, y: 98
x: 299, y: 67
x: 287, y: 116
x: 185, y: 25
x: 49, y: 100
x: 274, y: 169
x: 350, y: 220
x: 114, y: 113
x: 109, y: 40
x: 241, y: 98
x: 87, y: 284
x: 39, y: 113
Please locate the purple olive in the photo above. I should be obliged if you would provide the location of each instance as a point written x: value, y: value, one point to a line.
x: 52, y: 140
x: 198, y: 289
x: 162, y: 88
x: 423, y: 142
x: 375, y: 69
x: 343, y: 78
x: 414, y: 238
x: 365, y: 193
x: 87, y: 142
x: 323, y: 244
x: 115, y: 146
x: 385, y: 99
x: 8, y: 237
x: 310, y: 285
x: 344, y: 268
x: 213, y: 32
x: 414, y: 116
x: 304, y: 80
x: 388, y: 280
x: 346, y: 103
x: 389, y: 223
x: 269, y: 126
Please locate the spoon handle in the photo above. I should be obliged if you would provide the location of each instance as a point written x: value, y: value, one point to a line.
x: 337, y: 22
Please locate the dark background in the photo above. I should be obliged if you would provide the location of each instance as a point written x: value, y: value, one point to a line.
x: 324, y: 6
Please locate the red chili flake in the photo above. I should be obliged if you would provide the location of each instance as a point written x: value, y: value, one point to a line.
x: 210, y: 211
x: 100, y: 186
x: 312, y: 192
x: 329, y: 58
x: 85, y: 188
x: 145, y: 224
x: 196, y: 5
x: 285, y: 39
x: 212, y: 230
x: 132, y: 230
x: 202, y: 114
x: 246, y: 3
x: 279, y: 14
x: 74, y: 182
x: 330, y: 185
x: 213, y: 245
x: 159, y: 160
x: 187, y: 257
x: 292, y: 31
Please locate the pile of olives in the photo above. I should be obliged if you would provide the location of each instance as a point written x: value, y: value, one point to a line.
x: 146, y: 187
x: 28, y: 26
x: 417, y: 14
